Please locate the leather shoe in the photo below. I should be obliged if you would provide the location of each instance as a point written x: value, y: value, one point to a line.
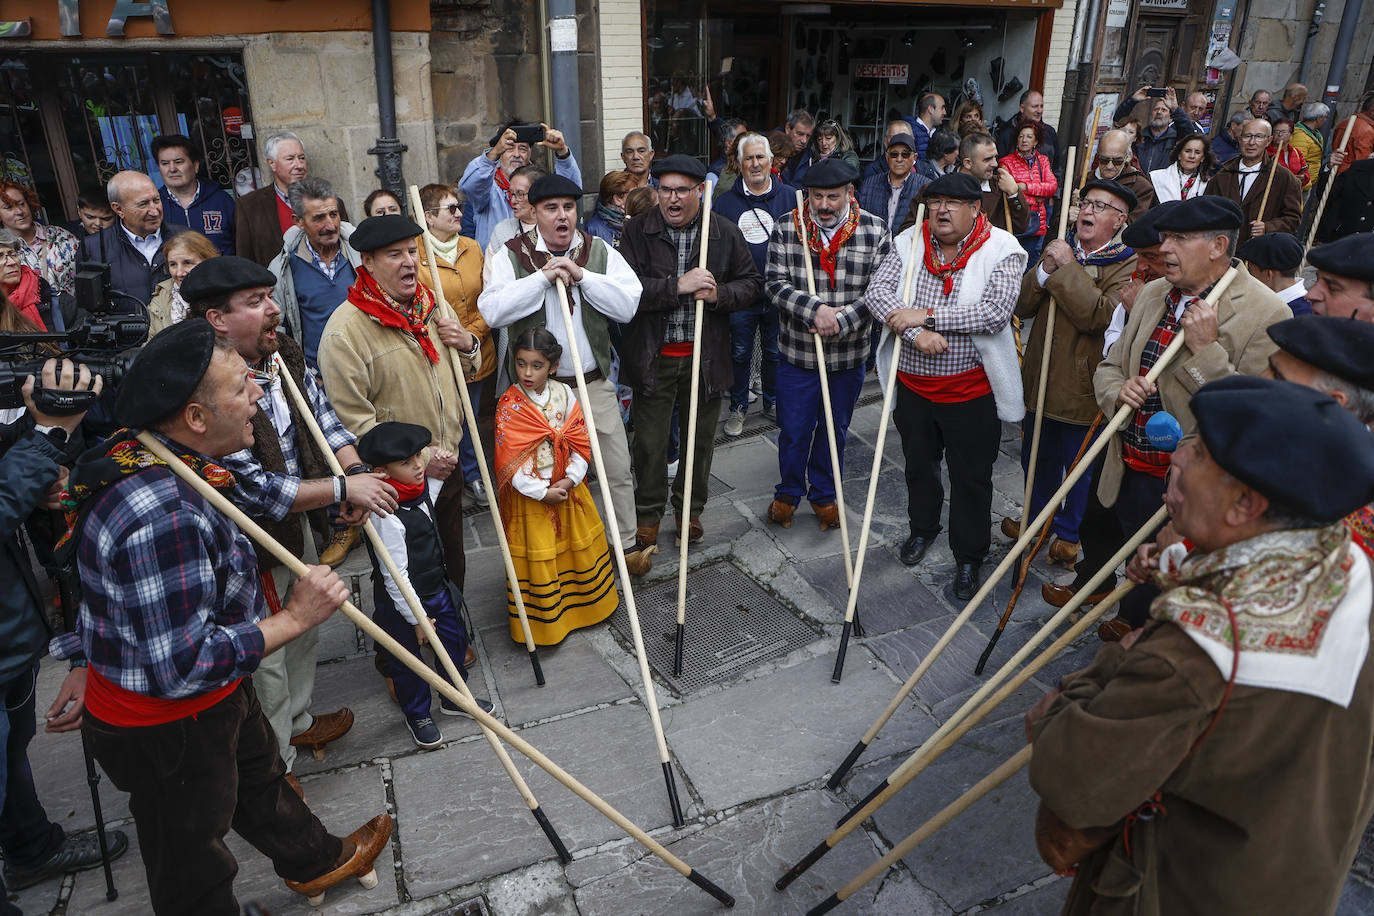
x: 780, y: 513
x: 966, y: 581
x: 827, y: 514
x: 369, y: 841
x: 324, y: 729
x: 1064, y: 552
x: 914, y: 550
x: 1113, y: 630
x: 1059, y: 595
x: 339, y: 546
x: 1011, y: 528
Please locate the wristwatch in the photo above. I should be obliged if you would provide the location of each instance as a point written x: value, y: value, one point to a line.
x: 56, y: 434
x: 929, y: 323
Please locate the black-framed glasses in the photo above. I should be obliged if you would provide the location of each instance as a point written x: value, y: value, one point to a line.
x: 1093, y: 205
x: 453, y: 209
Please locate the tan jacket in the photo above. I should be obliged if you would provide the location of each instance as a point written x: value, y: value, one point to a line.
x: 160, y: 308
x: 1085, y: 298
x: 462, y: 284
x: 373, y: 374
x: 1241, y: 348
x: 1264, y: 818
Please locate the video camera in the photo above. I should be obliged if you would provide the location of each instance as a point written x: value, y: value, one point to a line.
x: 106, y: 342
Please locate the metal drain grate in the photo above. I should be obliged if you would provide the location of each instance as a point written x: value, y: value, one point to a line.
x: 477, y: 906
x: 732, y: 624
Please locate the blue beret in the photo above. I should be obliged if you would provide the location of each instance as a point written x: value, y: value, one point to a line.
x: 1302, y: 450
x: 1142, y: 232
x: 679, y: 164
x: 165, y: 372
x: 1219, y: 213
x: 830, y: 173
x: 1343, y: 347
x: 392, y: 441
x: 1352, y: 256
x: 1272, y: 251
x: 380, y: 231
x: 1114, y: 188
x: 215, y: 277
x: 956, y: 185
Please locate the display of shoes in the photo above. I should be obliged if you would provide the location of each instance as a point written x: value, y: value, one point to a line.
x: 995, y: 71
x: 1010, y: 90
x: 734, y: 424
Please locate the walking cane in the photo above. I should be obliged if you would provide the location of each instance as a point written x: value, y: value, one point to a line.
x: 1326, y: 191
x: 1264, y: 201
x: 627, y: 590
x: 949, y: 732
x: 1087, y: 152
x: 1030, y: 557
x: 1015, y: 322
x: 402, y: 581
x: 1118, y: 420
x: 824, y: 373
x: 852, y: 603
x: 685, y: 533
x: 428, y: 674
x: 512, y: 580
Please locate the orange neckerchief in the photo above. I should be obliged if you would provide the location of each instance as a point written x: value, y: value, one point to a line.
x: 521, y: 428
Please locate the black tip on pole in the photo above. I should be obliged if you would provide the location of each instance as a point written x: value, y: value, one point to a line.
x: 710, y: 887
x: 677, y: 650
x: 93, y: 780
x: 538, y: 669
x: 987, y: 653
x: 678, y: 819
x: 825, y: 906
x: 796, y: 871
x: 563, y: 855
x: 863, y: 802
x: 839, y: 655
x: 842, y: 769
x: 858, y: 626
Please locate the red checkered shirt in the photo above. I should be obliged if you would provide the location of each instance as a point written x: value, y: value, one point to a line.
x: 1136, y: 449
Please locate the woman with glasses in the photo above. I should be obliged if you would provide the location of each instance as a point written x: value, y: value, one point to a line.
x: 609, y: 219
x: 1292, y: 159
x: 1034, y: 175
x: 830, y: 140
x: 183, y: 251
x: 1186, y: 175
x: 31, y: 298
x: 380, y: 202
x: 50, y: 251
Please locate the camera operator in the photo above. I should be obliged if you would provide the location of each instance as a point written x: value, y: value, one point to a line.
x: 31, y: 476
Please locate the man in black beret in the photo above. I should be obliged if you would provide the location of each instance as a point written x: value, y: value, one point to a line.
x: 1083, y: 276
x: 663, y: 247
x: 1237, y: 752
x: 841, y: 245
x: 1274, y: 259
x: 521, y: 293
x: 1198, y: 239
x: 888, y: 194
x: 281, y: 478
x: 1345, y: 277
x: 1113, y: 163
x: 174, y: 622
x: 957, y: 369
x: 391, y: 356
x: 1253, y: 179
x: 1141, y: 237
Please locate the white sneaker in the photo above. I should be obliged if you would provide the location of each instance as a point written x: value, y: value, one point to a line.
x: 734, y: 425
x: 478, y: 492
x: 672, y: 470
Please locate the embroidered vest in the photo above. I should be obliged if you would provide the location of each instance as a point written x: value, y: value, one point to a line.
x: 594, y: 324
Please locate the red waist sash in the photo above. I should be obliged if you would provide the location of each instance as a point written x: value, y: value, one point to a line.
x: 109, y: 702
x: 949, y: 389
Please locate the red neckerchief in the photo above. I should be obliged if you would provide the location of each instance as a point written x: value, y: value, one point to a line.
x: 829, y: 253
x: 503, y: 183
x: 980, y: 234
x: 367, y: 295
x: 1188, y: 185
x: 405, y: 492
x: 25, y: 297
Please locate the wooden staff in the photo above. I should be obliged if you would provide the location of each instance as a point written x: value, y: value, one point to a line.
x: 627, y: 590
x: 512, y: 580
x: 1119, y: 419
x: 835, y: 469
x: 685, y: 518
x: 1026, y: 562
x: 402, y: 581
x: 1087, y: 154
x: 1273, y: 168
x: 852, y: 603
x: 428, y: 674
x: 1015, y: 322
x: 949, y: 731
x: 1326, y: 191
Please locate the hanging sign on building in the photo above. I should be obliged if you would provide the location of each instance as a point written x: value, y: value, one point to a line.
x: 893, y: 73
x: 233, y: 121
x: 1180, y: 5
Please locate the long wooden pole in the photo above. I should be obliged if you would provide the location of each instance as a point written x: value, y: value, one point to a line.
x: 428, y: 674
x: 1273, y: 169
x: 1326, y: 191
x: 1118, y: 420
x: 512, y: 580
x: 693, y: 401
x: 826, y: 407
x: 603, y: 480
x: 852, y: 602
x: 1087, y: 154
x: 412, y: 600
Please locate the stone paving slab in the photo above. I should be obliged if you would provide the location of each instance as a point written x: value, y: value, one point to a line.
x: 890, y: 595
x: 744, y: 854
x: 1047, y: 900
x: 769, y: 734
x: 575, y: 675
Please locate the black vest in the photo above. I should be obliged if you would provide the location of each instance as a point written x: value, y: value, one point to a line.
x: 424, y: 548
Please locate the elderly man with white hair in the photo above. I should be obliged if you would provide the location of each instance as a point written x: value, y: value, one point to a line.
x: 265, y: 215
x: 133, y: 245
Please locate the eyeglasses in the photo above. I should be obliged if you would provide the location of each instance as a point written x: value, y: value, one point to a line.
x: 1254, y: 136
x: 1097, y: 206
x: 665, y: 191
x: 899, y: 154
x: 1112, y: 160
x: 453, y: 209
x: 9, y: 254
x: 937, y: 205
x: 516, y: 195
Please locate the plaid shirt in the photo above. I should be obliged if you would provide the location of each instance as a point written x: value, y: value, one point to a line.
x: 680, y: 322
x: 328, y: 268
x: 261, y: 492
x: 1136, y: 449
x: 955, y: 322
x: 785, y: 287
x: 171, y: 597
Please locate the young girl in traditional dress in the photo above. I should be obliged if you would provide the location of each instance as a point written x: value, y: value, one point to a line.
x: 555, y: 534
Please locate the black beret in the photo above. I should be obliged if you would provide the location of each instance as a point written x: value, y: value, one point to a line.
x: 1352, y: 256
x: 830, y: 173
x: 902, y: 139
x: 221, y: 276
x: 380, y: 231
x: 392, y: 441
x: 165, y: 372
x: 1221, y: 213
x: 1272, y: 251
x: 550, y: 186
x: 1302, y: 450
x: 1114, y: 188
x: 679, y: 164
x: 1142, y: 233
x: 956, y: 185
x: 1344, y: 347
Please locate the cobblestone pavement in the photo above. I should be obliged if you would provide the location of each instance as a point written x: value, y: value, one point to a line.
x: 754, y: 728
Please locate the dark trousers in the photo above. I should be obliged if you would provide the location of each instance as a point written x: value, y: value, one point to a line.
x: 27, y: 837
x: 1106, y: 529
x: 467, y: 455
x: 190, y: 782
x: 744, y: 324
x: 803, y: 443
x: 412, y: 692
x: 966, y: 435
x: 1059, y: 442
x: 652, y: 413
x: 448, y: 515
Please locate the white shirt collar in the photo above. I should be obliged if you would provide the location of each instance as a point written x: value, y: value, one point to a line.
x: 1296, y: 291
